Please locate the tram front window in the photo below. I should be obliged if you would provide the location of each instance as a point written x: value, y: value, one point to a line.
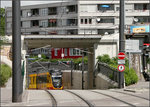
x: 56, y: 82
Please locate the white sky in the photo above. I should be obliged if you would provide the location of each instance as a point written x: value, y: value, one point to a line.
x: 8, y: 3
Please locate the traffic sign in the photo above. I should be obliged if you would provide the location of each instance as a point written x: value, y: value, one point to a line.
x: 121, y: 62
x: 121, y: 68
x: 132, y: 46
x: 121, y: 55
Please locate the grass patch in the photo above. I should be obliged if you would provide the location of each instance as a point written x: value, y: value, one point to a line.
x: 5, y: 74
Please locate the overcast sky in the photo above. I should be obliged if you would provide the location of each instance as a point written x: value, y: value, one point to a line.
x: 8, y: 3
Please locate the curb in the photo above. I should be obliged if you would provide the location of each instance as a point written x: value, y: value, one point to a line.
x: 130, y: 90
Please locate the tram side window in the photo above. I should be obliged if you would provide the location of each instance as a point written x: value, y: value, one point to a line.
x: 42, y: 79
x: 30, y: 80
x: 48, y: 79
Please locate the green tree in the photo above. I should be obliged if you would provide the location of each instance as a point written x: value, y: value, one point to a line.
x: 2, y: 21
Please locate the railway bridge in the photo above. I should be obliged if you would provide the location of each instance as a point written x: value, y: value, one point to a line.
x: 67, y: 41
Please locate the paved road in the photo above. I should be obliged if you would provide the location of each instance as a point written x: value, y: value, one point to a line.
x: 79, y: 98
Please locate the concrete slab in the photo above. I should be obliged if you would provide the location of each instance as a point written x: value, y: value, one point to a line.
x: 128, y: 99
x: 64, y: 98
x: 97, y: 99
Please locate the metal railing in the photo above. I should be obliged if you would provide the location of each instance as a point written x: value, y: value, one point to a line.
x: 110, y: 72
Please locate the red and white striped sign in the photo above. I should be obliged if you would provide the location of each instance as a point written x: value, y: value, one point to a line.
x: 121, y: 55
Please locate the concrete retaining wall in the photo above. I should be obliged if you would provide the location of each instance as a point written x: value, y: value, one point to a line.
x: 102, y: 82
x: 76, y: 79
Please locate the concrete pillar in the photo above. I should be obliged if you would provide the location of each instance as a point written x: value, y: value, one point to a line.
x: 91, y: 61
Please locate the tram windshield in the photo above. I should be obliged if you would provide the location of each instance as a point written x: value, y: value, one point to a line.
x: 57, y: 81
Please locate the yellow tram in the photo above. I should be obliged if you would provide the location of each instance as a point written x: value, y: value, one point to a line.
x: 51, y: 79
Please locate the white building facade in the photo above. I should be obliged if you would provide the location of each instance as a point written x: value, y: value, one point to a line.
x: 79, y: 17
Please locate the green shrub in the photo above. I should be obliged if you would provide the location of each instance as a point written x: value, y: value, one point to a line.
x: 79, y: 60
x: 130, y: 75
x: 5, y: 73
x: 148, y: 60
x: 104, y: 59
x: 111, y: 76
x: 43, y: 56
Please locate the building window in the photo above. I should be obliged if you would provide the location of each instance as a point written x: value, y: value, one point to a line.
x: 21, y: 23
x: 35, y: 33
x: 81, y: 21
x: 35, y: 12
x: 9, y: 25
x: 26, y: 24
x: 141, y: 6
x: 105, y: 7
x: 65, y: 51
x: 43, y: 23
x: 9, y: 14
x: 142, y: 19
x: 86, y: 21
x: 44, y: 12
x: 52, y: 11
x: 106, y: 31
x: 72, y: 8
x: 74, y: 52
x: 72, y: 22
x: 21, y: 13
x: 52, y: 23
x: 35, y: 23
x: 72, y: 32
x: 90, y: 21
x: 55, y: 51
x: 117, y: 8
x: 105, y: 20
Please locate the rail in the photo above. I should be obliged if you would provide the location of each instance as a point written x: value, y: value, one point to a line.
x: 108, y: 71
x: 130, y: 104
x: 54, y: 102
x: 86, y: 101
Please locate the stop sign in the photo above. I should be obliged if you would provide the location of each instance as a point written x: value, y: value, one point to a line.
x: 121, y: 55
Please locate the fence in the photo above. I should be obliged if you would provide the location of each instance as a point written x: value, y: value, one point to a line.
x: 108, y: 71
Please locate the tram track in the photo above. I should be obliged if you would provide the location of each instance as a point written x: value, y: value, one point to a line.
x: 54, y: 102
x: 130, y: 94
x: 86, y: 101
x: 114, y: 98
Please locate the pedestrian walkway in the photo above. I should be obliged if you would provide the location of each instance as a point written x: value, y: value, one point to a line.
x: 30, y: 98
x: 140, y: 86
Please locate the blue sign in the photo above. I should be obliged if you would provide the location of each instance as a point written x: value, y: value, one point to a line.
x: 139, y: 29
x: 106, y: 6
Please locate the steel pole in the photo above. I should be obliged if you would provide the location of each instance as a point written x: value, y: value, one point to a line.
x: 16, y: 46
x: 82, y: 70
x: 71, y: 73
x: 121, y: 38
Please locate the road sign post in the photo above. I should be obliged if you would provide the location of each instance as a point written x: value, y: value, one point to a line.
x: 121, y: 68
